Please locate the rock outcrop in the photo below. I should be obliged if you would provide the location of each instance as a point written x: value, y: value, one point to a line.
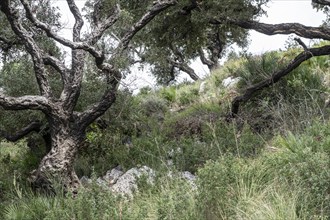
x: 126, y: 183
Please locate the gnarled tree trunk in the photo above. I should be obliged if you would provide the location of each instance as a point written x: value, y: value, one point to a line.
x: 58, y: 162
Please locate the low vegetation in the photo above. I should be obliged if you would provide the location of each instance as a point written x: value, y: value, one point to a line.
x: 271, y: 162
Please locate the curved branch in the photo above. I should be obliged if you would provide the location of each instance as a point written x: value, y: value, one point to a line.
x: 284, y: 28
x: 250, y: 91
x: 55, y: 63
x: 79, y: 22
x: 113, y: 75
x: 108, y: 98
x: 34, y: 126
x: 58, y: 66
x: 50, y: 33
x: 204, y: 60
x: 185, y: 68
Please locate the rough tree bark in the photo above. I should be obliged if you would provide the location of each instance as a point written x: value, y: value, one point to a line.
x: 67, y: 127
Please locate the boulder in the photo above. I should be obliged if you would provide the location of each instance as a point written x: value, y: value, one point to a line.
x: 112, y: 176
x: 230, y: 82
x: 202, y: 88
x: 85, y: 181
x: 190, y: 178
x: 126, y: 184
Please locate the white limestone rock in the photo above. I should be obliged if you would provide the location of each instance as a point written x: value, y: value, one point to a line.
x: 231, y: 82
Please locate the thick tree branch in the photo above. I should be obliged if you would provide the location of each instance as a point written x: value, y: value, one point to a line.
x: 301, y: 43
x: 71, y: 91
x: 79, y: 22
x: 322, y: 2
x: 204, y: 60
x: 185, y: 68
x: 24, y: 102
x: 250, y: 91
x: 180, y: 63
x: 30, y: 44
x: 34, y: 126
x: 58, y: 66
x: 108, y: 98
x: 284, y: 28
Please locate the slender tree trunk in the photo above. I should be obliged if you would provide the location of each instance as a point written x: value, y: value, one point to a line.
x: 57, y: 164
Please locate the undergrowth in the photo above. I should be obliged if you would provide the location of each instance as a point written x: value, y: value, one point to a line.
x: 271, y: 162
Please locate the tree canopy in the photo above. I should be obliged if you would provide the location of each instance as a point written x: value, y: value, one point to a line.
x: 183, y: 33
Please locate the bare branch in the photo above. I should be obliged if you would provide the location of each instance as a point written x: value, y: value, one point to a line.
x: 58, y: 66
x: 284, y: 28
x: 34, y: 126
x: 103, y: 26
x: 24, y: 102
x: 108, y: 98
x: 50, y: 33
x: 30, y: 45
x: 204, y: 60
x: 79, y: 22
x: 185, y: 68
x: 250, y: 91
x: 181, y: 64
x: 301, y: 43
